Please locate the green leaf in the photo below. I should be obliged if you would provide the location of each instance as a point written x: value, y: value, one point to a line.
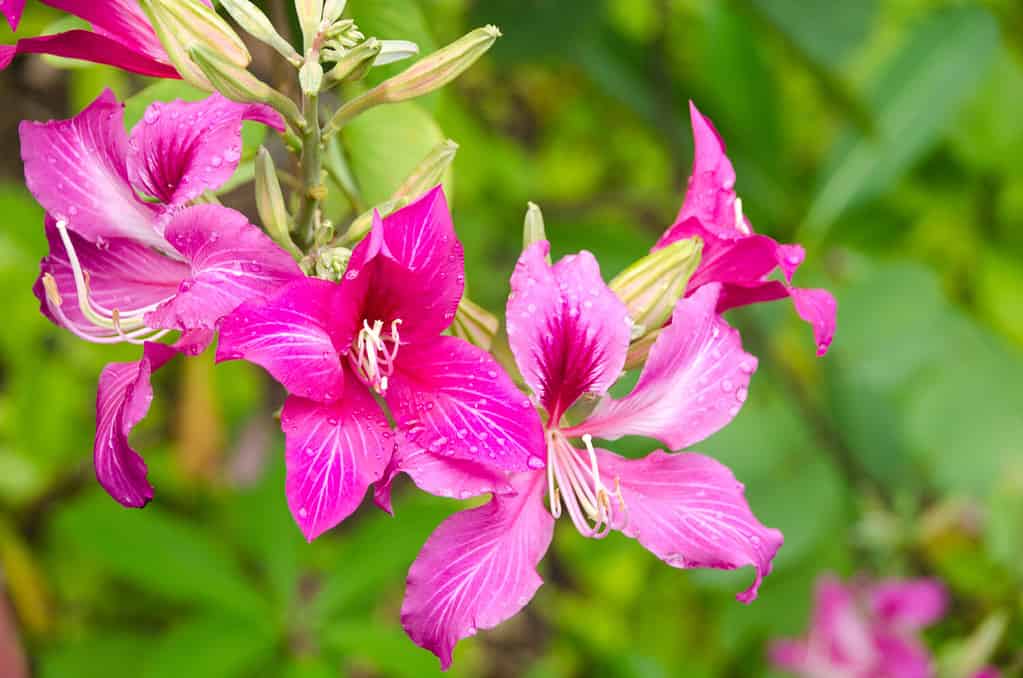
x: 157, y: 552
x: 914, y: 98
x: 209, y: 647
x: 384, y: 647
x: 385, y: 144
x: 826, y: 31
x: 115, y: 654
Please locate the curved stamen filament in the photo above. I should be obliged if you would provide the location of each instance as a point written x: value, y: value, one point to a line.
x: 577, y: 484
x: 375, y: 354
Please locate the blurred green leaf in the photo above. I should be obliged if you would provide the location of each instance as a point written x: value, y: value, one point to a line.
x: 385, y: 648
x: 209, y: 647
x: 825, y: 31
x: 914, y: 97
x: 115, y: 654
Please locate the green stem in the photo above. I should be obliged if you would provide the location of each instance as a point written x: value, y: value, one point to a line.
x: 313, y: 190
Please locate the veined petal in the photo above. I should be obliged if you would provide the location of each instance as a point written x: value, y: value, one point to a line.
x: 437, y: 475
x: 294, y: 336
x: 76, y: 170
x: 909, y: 604
x: 121, y: 275
x: 334, y: 452
x: 12, y: 10
x: 180, y: 149
x: 569, y: 332
x: 121, y: 20
x: 478, y: 568
x: 93, y: 47
x: 451, y: 398
x: 411, y: 269
x: 694, y: 383
x: 231, y: 261
x: 122, y: 401
x: 689, y: 511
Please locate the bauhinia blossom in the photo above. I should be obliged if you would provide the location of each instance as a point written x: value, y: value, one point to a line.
x: 376, y: 333
x: 569, y: 334
x: 733, y: 255
x: 125, y: 269
x: 121, y: 36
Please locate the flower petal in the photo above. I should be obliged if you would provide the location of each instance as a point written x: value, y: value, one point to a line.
x: 694, y: 383
x: 12, y: 10
x: 120, y: 20
x: 180, y: 149
x: 121, y: 274
x: 478, y: 568
x: 569, y: 333
x: 294, y: 336
x: 452, y: 398
x: 410, y: 269
x: 92, y: 47
x: 76, y: 170
x: 334, y: 452
x: 437, y: 475
x: 909, y: 604
x: 231, y: 261
x: 689, y: 511
x: 122, y: 400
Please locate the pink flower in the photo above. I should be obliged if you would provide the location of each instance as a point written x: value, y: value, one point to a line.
x: 121, y: 36
x: 334, y: 346
x: 865, y: 630
x: 569, y: 334
x: 733, y: 255
x: 122, y: 269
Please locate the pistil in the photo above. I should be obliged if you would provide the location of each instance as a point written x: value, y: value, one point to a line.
x: 374, y: 355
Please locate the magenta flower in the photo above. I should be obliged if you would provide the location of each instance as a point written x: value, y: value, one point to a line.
x: 865, y: 630
x: 124, y: 269
x: 733, y: 254
x: 334, y: 346
x: 121, y: 36
x: 569, y: 334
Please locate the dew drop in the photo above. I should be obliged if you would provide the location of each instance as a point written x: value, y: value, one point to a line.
x: 741, y: 394
x: 727, y: 386
x: 535, y: 463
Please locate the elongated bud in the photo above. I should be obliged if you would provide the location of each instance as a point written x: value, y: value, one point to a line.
x: 639, y: 350
x: 310, y: 77
x: 183, y: 25
x: 429, y: 172
x: 333, y: 9
x: 310, y: 14
x: 652, y: 286
x: 356, y: 63
x: 361, y: 224
x: 533, y: 229
x: 238, y: 84
x: 426, y: 75
x: 255, y: 23
x: 474, y: 324
x: 395, y: 50
x: 270, y: 203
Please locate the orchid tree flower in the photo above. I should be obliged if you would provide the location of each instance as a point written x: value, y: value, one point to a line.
x: 121, y: 36
x: 131, y: 260
x: 865, y: 629
x: 733, y: 255
x: 569, y: 334
x: 376, y: 334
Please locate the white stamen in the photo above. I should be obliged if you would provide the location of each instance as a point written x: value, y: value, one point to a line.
x: 570, y: 479
x: 374, y: 359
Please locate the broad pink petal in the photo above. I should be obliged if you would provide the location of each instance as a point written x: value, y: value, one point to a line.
x: 76, y: 170
x: 12, y: 10
x: 478, y: 568
x: 569, y: 333
x: 180, y: 149
x: 231, y: 262
x: 122, y: 275
x: 909, y: 604
x: 694, y: 382
x: 901, y: 656
x: 410, y: 268
x: 689, y: 511
x: 294, y: 336
x: 121, y: 20
x: 840, y: 633
x: 334, y: 452
x: 122, y: 400
x: 437, y: 475
x: 789, y: 655
x: 453, y: 399
x: 93, y: 47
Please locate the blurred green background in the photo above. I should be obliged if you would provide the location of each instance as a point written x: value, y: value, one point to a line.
x: 886, y: 136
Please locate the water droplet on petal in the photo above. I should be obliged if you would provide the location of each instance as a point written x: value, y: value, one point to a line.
x: 535, y: 463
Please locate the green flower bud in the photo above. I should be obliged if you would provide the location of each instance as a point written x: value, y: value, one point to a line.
x: 256, y: 24
x: 652, y: 286
x: 474, y: 324
x: 429, y: 172
x: 270, y: 204
x: 533, y: 229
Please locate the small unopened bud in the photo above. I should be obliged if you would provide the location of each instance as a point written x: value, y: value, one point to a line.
x: 355, y: 63
x: 254, y: 22
x: 474, y: 324
x: 395, y: 50
x: 533, y: 229
x: 270, y: 203
x: 333, y: 9
x: 429, y: 172
x: 310, y: 13
x: 310, y: 77
x: 183, y: 25
x: 652, y: 286
x: 238, y: 84
x: 426, y: 75
x: 332, y: 262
